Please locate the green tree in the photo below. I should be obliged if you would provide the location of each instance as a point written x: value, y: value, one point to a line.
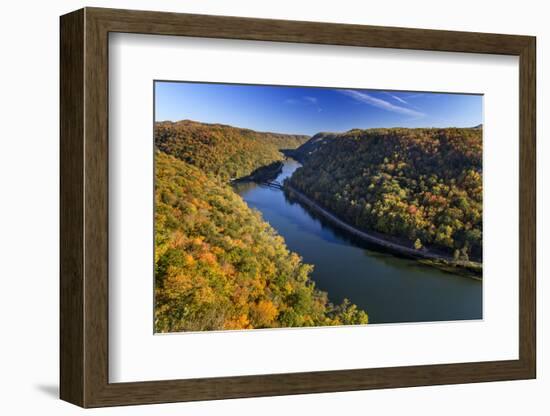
x: 219, y: 265
x: 411, y: 184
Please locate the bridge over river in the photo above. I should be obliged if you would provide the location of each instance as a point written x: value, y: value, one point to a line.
x: 389, y: 288
x: 272, y: 184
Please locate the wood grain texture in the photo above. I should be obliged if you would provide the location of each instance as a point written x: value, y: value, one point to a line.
x: 96, y: 207
x: 84, y: 206
x: 527, y: 207
x: 71, y: 158
x: 162, y: 23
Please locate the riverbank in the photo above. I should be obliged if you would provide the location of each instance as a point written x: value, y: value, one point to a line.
x: 391, y: 287
x: 263, y: 173
x: 424, y: 256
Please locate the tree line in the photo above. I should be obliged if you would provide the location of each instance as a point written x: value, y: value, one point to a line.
x: 218, y: 264
x: 225, y: 151
x: 422, y: 187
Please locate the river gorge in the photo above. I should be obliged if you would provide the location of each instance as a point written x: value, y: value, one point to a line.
x: 389, y: 288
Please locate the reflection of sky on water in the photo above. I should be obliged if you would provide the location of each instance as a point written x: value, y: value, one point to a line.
x: 389, y: 288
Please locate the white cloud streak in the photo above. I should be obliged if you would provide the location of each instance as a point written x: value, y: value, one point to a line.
x: 396, y: 98
x: 314, y: 101
x: 382, y: 104
x: 305, y: 100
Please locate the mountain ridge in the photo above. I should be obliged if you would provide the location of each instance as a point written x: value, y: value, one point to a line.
x: 420, y: 185
x: 225, y: 151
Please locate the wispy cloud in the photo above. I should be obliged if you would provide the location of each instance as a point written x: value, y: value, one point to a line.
x: 305, y: 100
x: 406, y: 102
x: 396, y: 98
x: 380, y: 103
x: 314, y: 101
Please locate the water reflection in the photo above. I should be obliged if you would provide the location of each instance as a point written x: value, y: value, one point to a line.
x: 389, y: 288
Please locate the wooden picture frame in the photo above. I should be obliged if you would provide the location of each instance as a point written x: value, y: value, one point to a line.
x: 84, y: 207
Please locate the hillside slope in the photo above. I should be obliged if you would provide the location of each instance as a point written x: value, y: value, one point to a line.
x: 307, y: 149
x: 218, y: 265
x: 225, y: 151
x: 422, y: 187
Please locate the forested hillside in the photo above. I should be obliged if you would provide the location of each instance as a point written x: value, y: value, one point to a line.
x: 302, y: 152
x: 218, y: 265
x: 420, y: 186
x: 227, y: 152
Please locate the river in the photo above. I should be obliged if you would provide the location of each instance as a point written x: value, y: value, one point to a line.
x: 390, y: 289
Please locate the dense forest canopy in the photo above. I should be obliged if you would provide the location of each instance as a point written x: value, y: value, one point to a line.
x: 227, y: 152
x: 218, y: 264
x: 421, y: 186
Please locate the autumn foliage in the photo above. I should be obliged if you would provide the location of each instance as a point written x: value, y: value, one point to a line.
x: 225, y: 151
x: 218, y: 264
x: 422, y: 187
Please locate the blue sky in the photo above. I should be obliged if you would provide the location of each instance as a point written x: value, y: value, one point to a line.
x: 305, y: 110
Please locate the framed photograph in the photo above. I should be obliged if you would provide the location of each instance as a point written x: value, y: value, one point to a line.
x: 257, y: 207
